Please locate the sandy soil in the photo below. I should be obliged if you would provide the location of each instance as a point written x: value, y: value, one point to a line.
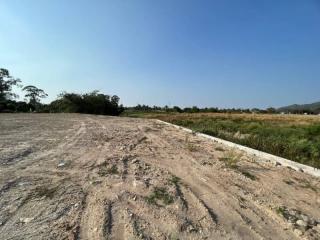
x: 94, y: 177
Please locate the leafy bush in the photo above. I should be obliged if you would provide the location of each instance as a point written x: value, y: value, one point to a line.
x: 14, y: 106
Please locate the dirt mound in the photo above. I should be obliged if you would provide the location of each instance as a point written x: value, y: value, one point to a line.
x: 91, y: 177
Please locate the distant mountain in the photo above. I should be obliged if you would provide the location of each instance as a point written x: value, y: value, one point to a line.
x: 299, y: 108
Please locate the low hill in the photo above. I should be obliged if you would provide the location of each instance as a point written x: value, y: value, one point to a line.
x: 312, y: 108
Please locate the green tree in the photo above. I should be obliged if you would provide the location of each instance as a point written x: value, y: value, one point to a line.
x: 34, y: 94
x: 195, y: 109
x: 6, y: 84
x: 271, y: 110
x: 177, y: 109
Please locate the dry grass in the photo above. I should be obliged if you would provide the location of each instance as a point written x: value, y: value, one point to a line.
x: 295, y: 137
x: 231, y: 158
x: 286, y: 119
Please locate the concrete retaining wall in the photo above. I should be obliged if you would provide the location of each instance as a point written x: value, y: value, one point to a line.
x: 261, y: 155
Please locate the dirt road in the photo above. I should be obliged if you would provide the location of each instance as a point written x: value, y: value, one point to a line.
x: 94, y: 177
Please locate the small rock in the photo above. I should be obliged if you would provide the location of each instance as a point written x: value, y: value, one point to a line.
x: 312, y: 222
x: 137, y: 183
x: 61, y: 164
x: 298, y: 232
x: 301, y: 223
x: 135, y: 161
x: 291, y: 225
x: 292, y: 219
x: 191, y: 229
x: 293, y: 212
x: 25, y: 220
x: 21, y: 184
x: 304, y: 217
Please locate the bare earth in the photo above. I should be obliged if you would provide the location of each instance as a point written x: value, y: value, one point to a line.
x: 93, y: 177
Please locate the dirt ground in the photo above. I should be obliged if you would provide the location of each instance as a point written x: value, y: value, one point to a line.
x: 70, y: 176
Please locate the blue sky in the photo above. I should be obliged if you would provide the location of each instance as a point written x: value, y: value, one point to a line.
x: 226, y: 53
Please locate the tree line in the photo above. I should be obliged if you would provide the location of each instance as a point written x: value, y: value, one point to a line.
x: 93, y: 102
x: 195, y: 109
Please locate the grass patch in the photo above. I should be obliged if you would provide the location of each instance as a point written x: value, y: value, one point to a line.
x: 159, y: 195
x: 231, y: 159
x: 280, y: 211
x: 298, y: 143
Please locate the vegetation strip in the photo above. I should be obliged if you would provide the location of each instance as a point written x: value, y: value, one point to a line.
x: 264, y: 156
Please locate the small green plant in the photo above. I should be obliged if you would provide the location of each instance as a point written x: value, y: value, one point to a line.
x: 113, y: 170
x: 280, y: 211
x: 231, y: 159
x: 159, y: 194
x: 174, y: 180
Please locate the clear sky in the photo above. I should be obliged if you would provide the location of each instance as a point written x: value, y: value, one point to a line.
x: 226, y: 53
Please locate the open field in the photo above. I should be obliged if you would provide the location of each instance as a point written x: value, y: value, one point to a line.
x: 72, y: 176
x: 295, y: 137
